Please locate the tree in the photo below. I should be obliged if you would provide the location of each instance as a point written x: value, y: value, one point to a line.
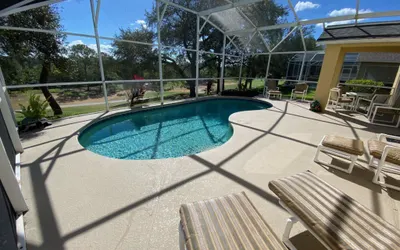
x: 136, y: 59
x: 26, y: 46
x: 85, y: 60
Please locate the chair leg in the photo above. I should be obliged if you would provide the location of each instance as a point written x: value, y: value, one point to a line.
x: 353, y: 162
x: 317, y: 154
x: 378, y: 172
x: 181, y: 238
x: 371, y: 161
x: 286, y: 235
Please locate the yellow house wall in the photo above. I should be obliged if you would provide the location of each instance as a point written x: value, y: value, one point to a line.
x: 333, y: 61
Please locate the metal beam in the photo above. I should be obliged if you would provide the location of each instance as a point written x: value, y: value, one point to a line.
x: 163, y: 11
x: 29, y: 7
x: 222, y: 72
x: 228, y: 6
x: 160, y: 69
x: 298, y: 21
x: 357, y: 8
x: 291, y: 52
x: 197, y: 54
x: 96, y: 33
x: 179, y: 6
x: 266, y: 74
x: 259, y: 33
x: 283, y: 39
x: 10, y: 182
x: 204, y: 24
x: 319, y: 20
x: 9, y: 8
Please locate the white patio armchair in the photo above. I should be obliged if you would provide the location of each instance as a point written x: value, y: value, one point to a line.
x: 380, y: 110
x: 368, y: 103
x: 301, y: 90
x: 336, y: 100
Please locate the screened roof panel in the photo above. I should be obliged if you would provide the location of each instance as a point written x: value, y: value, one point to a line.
x: 200, y: 5
x: 230, y: 19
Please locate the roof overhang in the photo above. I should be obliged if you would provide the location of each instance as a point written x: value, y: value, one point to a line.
x: 8, y: 7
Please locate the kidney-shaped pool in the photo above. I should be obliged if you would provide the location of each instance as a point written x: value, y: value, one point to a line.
x: 166, y: 132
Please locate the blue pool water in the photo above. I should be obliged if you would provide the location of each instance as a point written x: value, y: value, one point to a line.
x: 166, y: 132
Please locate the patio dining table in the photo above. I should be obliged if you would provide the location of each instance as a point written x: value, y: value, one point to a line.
x: 356, y: 96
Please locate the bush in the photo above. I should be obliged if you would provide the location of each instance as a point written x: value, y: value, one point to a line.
x: 36, y: 108
x: 364, y: 82
x: 244, y: 93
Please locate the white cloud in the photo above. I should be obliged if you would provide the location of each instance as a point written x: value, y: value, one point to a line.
x: 300, y: 6
x: 347, y: 11
x: 140, y: 22
x: 105, y: 48
x: 75, y: 42
x: 344, y: 12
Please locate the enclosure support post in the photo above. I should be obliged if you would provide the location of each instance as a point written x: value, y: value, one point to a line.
x: 197, y: 54
x: 6, y: 111
x: 221, y: 80
x: 266, y: 74
x: 302, y: 67
x: 10, y: 182
x: 95, y: 15
x: 160, y: 70
x: 240, y: 70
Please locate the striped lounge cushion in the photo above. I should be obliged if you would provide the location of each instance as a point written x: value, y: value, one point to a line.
x: 335, y: 218
x: 229, y: 222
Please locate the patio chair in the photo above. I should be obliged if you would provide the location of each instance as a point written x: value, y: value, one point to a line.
x: 391, y: 109
x: 342, y: 147
x: 299, y: 89
x: 368, y: 103
x: 228, y: 222
x: 335, y: 99
x: 334, y: 218
x: 385, y: 157
x: 273, y: 89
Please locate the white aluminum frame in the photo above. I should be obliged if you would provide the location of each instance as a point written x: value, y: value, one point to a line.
x: 205, y: 15
x: 381, y: 165
x: 352, y: 158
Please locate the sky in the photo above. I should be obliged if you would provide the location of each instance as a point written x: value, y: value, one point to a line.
x: 115, y: 14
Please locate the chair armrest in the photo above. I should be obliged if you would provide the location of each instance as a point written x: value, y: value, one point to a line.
x: 386, y: 151
x: 376, y: 105
x: 365, y: 99
x: 385, y: 136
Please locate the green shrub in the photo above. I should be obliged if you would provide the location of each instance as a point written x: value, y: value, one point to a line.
x: 364, y: 82
x: 36, y: 108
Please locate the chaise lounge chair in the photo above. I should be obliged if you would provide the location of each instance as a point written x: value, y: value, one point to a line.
x: 230, y: 222
x: 342, y: 147
x: 334, y: 218
x: 385, y: 157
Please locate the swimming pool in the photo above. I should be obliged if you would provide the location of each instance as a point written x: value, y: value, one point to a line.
x: 166, y: 132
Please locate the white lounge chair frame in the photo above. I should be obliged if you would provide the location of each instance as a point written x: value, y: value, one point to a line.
x: 182, y: 245
x: 352, y: 158
x: 371, y: 101
x: 289, y: 225
x: 376, y: 108
x: 382, y: 166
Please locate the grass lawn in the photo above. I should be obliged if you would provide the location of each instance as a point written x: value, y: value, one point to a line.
x: 154, y: 97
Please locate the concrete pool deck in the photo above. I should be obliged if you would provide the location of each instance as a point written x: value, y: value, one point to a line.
x: 80, y: 200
